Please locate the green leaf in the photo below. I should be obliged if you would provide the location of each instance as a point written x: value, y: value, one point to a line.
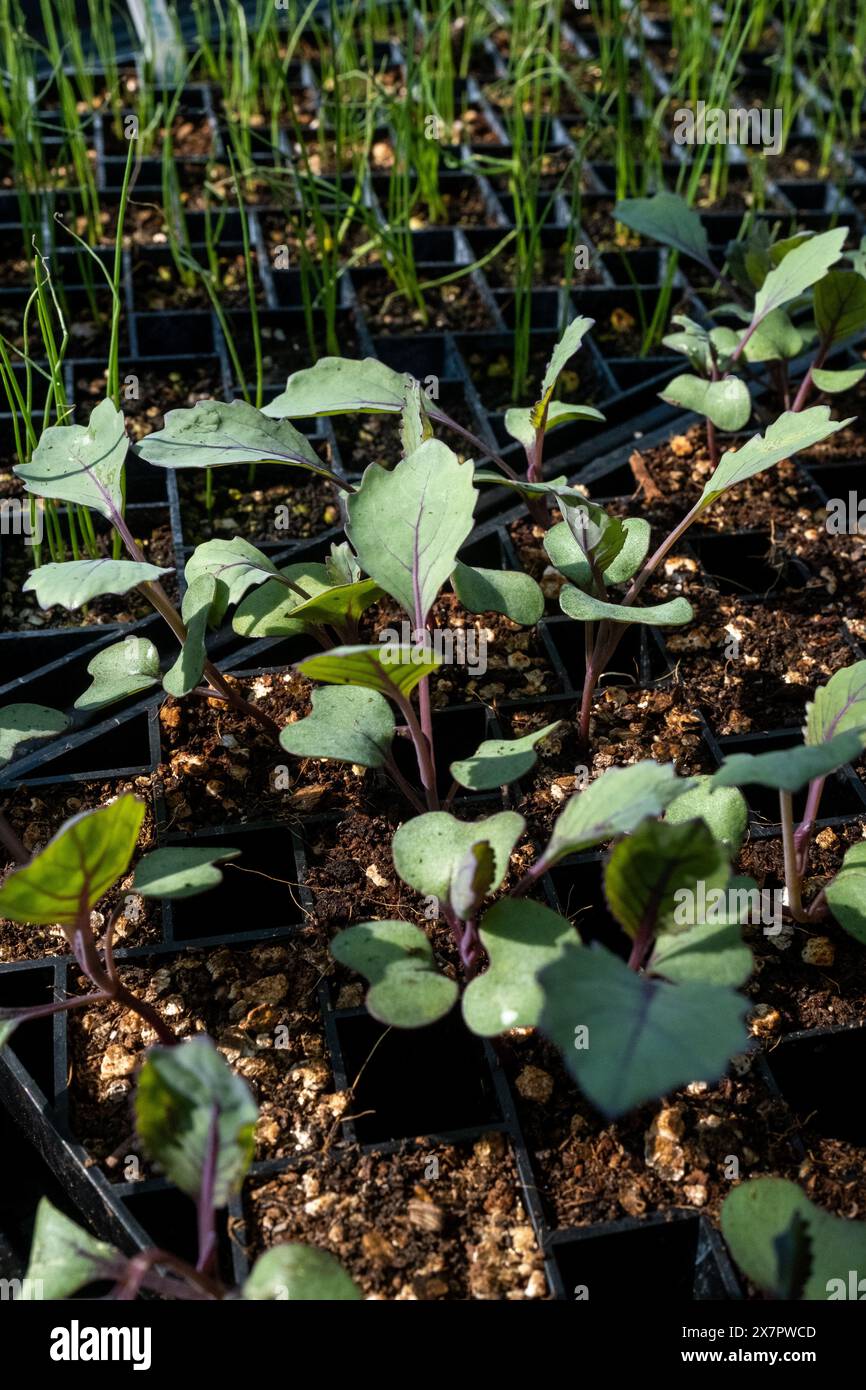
x: 215, y: 434
x: 559, y: 359
x: 566, y: 555
x: 65, y: 1258
x: 86, y: 856
x: 198, y: 601
x: 180, y: 872
x: 791, y: 768
x: 847, y: 893
x: 342, y: 565
x: 782, y: 440
x: 428, y: 849
x: 598, y: 536
x: 499, y: 761
x: 726, y: 403
x: 793, y: 1258
x: 125, y: 668
x: 347, y: 724
x: 184, y: 1093
x: 21, y: 723
x: 645, y: 1037
x: 414, y: 425
x: 776, y: 339
x: 558, y: 486
x: 499, y: 591
x: 408, y: 524
x: 650, y: 870
x: 520, y: 937
x: 81, y: 464
x: 711, y: 953
x: 9, y: 1021
x: 472, y: 880
x: 340, y: 604
x: 839, y: 706
x: 802, y: 267
x: 75, y: 582
x: 406, y: 990
x: 299, y: 1273
x: 586, y: 609
x: 668, y: 219
x: 758, y: 1212
x: 840, y: 305
x: 392, y: 670
x: 235, y: 564
x: 269, y: 610
x: 837, y: 380
x: 338, y: 386
x: 614, y: 804
x: 518, y: 420
x: 723, y: 809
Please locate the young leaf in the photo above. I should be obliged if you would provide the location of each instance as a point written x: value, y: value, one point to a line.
x: 338, y: 386
x: 802, y: 267
x: 838, y: 706
x: 598, y: 536
x: 414, y: 425
x: 198, y: 603
x: 587, y: 609
x: 86, y: 856
x: 472, y: 880
x: 518, y: 420
x: 643, y: 1037
x: 756, y: 1213
x: 649, y: 869
x: 340, y: 604
x: 408, y: 524
x: 185, y: 1094
x: 520, y: 938
x: 723, y: 809
x: 428, y: 849
x: 346, y: 724
x: 236, y: 564
x: 786, y: 437
x: 499, y: 761
x: 392, y: 671
x: 214, y: 434
x: 666, y: 218
x: 75, y: 582
x: 776, y: 339
x: 840, y: 305
x: 21, y: 723
x: 65, y: 1258
x: 125, y: 668
x: 846, y: 894
x: 178, y: 871
x: 614, y: 804
x: 711, y: 953
x: 269, y: 610
x: 499, y: 591
x: 406, y: 989
x: 299, y: 1273
x: 558, y: 486
x: 566, y: 555
x: 342, y: 565
x: 559, y: 359
x: 81, y: 464
x: 726, y: 403
x: 839, y: 379
x: 791, y: 768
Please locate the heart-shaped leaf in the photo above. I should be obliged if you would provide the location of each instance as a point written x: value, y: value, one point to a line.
x: 723, y: 809
x: 269, y: 610
x: 614, y: 804
x: 198, y: 603
x: 566, y: 555
x: 783, y: 439
x: 520, y: 937
x: 237, y: 565
x: 180, y: 871
x: 499, y: 591
x: 726, y: 403
x: 650, y: 870
x: 499, y: 761
x: 65, y: 1258
x: 81, y: 464
x: 428, y: 849
x: 299, y: 1273
x: 75, y: 582
x: 406, y: 990
x: 776, y: 339
x: 346, y: 724
x: 847, y: 893
x: 587, y: 609
x: 215, y: 434
x: 21, y: 723
x: 125, y: 668
x: 393, y: 671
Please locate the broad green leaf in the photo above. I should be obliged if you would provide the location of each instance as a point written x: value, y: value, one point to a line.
x: 782, y: 440
x: 587, y: 609
x: 847, y: 893
x: 214, y: 434
x: 392, y: 670
x: 428, y: 849
x: 723, y: 809
x: 666, y: 218
x: 559, y: 359
x: 499, y: 761
x: 237, y: 565
x: 520, y: 938
x: 693, y: 341
x: 776, y: 339
x: 69, y: 876
x: 791, y: 768
x: 518, y: 420
x: 81, y: 463
x: 726, y: 403
x: 180, y: 871
x: 186, y: 1095
x: 499, y: 591
x: 340, y: 604
x: 652, y: 871
x: 125, y: 668
x: 643, y: 1037
x: 757, y: 1213
x: 802, y: 267
x: 840, y: 305
x: 65, y: 1258
x: 838, y: 706
x: 338, y: 386
x: 75, y: 582
x: 198, y: 601
x: 839, y: 379
x: 21, y: 723
x: 566, y: 555
x: 711, y: 953
x: 407, y: 524
x: 299, y: 1273
x: 406, y: 989
x: 269, y: 610
x: 347, y: 724
x: 614, y: 804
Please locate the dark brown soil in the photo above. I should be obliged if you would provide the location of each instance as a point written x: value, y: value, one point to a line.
x: 459, y: 306
x: 267, y: 502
